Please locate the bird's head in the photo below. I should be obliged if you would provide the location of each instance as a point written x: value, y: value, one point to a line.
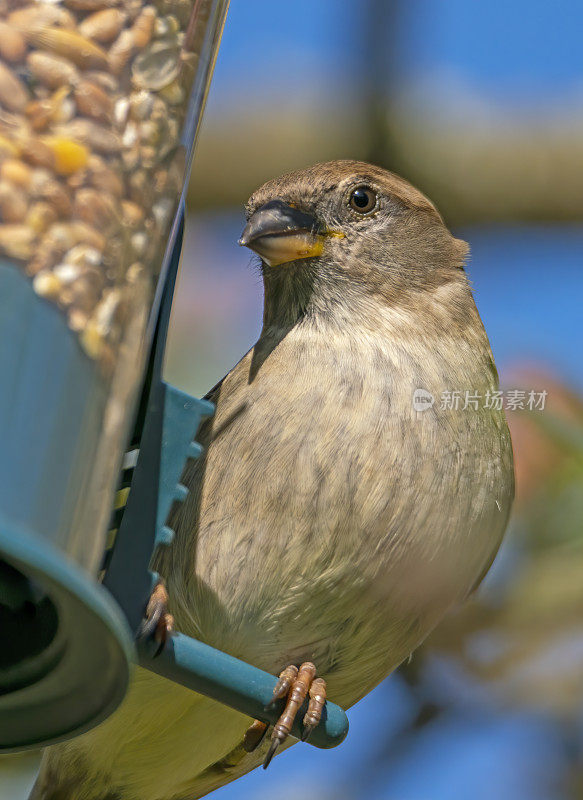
x: 345, y: 230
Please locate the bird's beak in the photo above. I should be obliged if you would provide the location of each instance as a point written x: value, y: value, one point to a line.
x: 280, y: 233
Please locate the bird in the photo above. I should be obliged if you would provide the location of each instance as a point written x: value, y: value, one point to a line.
x: 348, y: 496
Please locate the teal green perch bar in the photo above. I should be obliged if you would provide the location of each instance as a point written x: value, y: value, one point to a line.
x: 242, y: 686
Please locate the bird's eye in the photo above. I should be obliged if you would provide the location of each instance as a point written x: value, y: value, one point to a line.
x: 362, y: 199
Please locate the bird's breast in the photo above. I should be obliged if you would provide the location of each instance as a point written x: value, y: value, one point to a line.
x: 329, y: 514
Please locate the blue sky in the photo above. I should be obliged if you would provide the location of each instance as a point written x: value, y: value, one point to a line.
x: 511, y: 52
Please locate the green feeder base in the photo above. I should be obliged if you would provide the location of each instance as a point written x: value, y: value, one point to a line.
x: 67, y: 666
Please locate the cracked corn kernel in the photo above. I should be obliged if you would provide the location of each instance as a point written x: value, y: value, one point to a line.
x: 70, y: 156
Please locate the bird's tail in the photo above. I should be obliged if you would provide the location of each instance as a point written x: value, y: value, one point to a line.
x: 50, y: 787
x: 36, y: 792
x: 42, y: 787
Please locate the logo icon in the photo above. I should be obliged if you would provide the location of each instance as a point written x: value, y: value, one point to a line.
x: 422, y: 400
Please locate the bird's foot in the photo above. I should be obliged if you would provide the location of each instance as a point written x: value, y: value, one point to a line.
x: 158, y: 623
x: 254, y: 735
x: 296, y: 685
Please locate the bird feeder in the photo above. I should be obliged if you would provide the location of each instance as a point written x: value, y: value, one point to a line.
x: 95, y: 151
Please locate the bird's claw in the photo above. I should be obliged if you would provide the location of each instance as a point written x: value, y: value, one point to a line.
x: 307, y: 732
x: 158, y: 623
x: 296, y: 685
x: 284, y: 684
x: 270, y: 753
x: 313, y: 715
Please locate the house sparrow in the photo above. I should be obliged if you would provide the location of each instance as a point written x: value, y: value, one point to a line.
x: 340, y: 509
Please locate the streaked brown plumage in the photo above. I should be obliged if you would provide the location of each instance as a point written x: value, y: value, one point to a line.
x: 328, y: 520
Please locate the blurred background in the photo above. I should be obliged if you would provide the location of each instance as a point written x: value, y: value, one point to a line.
x: 480, y: 106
